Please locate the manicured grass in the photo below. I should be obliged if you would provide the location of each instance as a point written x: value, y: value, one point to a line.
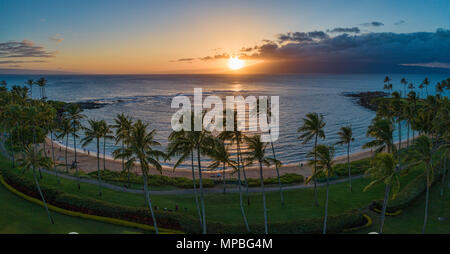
x: 19, y: 216
x: 225, y: 207
x: 411, y: 219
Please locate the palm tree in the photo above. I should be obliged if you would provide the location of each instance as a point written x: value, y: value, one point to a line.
x: 423, y: 151
x: 238, y: 137
x: 42, y: 82
x: 256, y: 152
x: 387, y: 84
x: 426, y: 82
x: 221, y: 156
x: 94, y: 131
x: 421, y: 86
x: 182, y: 146
x: 312, y: 127
x: 30, y: 83
x: 268, y: 114
x: 31, y: 160
x: 323, y: 158
x: 64, y: 131
x: 381, y: 129
x: 74, y: 115
x: 141, y: 149
x: 346, y: 137
x: 106, y: 134
x: 123, y: 127
x: 404, y: 83
x: 384, y: 170
x: 397, y: 110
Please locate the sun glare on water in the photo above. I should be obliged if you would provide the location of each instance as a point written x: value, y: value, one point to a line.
x: 235, y: 63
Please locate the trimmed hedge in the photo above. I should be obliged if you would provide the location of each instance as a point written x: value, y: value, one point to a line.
x: 175, y: 220
x: 289, y: 178
x: 153, y: 180
x: 341, y: 170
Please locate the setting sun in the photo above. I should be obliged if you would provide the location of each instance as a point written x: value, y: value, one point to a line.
x: 235, y: 63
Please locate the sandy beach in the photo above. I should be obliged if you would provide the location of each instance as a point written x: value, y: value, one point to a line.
x: 88, y: 163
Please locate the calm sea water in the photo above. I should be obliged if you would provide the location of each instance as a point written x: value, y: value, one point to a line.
x: 148, y: 97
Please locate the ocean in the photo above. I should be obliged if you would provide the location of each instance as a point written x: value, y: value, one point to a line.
x: 148, y: 97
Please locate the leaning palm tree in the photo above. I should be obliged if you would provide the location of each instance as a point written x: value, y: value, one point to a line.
x: 257, y: 152
x: 74, y: 114
x: 141, y: 149
x: 384, y: 170
x: 313, y: 125
x: 123, y: 127
x: 31, y: 160
x: 323, y: 157
x: 106, y: 135
x: 381, y: 129
x: 422, y: 151
x: 94, y: 131
x: 346, y: 137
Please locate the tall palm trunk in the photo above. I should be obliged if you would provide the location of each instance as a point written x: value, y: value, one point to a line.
x: 276, y: 167
x: 407, y: 135
x: 243, y: 171
x: 348, y: 165
x: 399, y: 135
x: 149, y: 202
x: 444, y: 175
x: 266, y: 229
x: 12, y: 150
x: 104, y: 154
x: 98, y: 168
x: 427, y: 201
x: 202, y: 198
x: 314, y: 172
x: 53, y: 158
x: 76, y: 163
x: 195, y: 190
x: 383, y: 210
x: 42, y: 196
x: 326, y: 206
x: 241, y: 202
x: 223, y: 178
x: 67, y: 144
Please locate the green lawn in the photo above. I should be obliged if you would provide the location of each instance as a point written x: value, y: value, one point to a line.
x: 19, y: 216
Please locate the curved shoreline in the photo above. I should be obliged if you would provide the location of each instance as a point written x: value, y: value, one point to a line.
x: 88, y: 163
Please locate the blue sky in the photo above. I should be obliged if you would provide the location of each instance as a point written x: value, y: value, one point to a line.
x: 98, y: 31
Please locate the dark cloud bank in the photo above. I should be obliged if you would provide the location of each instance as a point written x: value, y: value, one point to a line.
x: 370, y: 52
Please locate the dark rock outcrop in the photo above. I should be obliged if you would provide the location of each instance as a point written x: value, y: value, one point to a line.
x: 365, y: 99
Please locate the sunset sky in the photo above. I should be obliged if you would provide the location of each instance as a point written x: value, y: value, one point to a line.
x: 142, y: 37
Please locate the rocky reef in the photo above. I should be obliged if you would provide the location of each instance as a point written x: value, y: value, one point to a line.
x: 366, y: 99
